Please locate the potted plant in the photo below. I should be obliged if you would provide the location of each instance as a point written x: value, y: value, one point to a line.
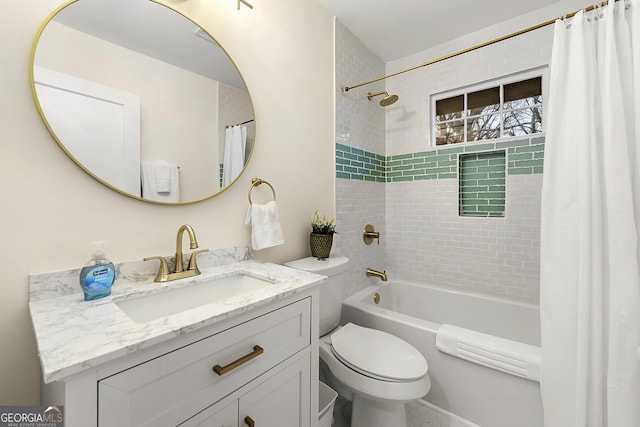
x: 321, y: 239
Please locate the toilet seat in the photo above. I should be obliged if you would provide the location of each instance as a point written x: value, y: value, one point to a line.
x: 377, y: 354
x: 348, y: 382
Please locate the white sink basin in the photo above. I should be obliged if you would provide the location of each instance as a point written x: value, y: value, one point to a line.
x: 201, y: 292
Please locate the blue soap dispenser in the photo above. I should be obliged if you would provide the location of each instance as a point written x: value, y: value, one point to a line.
x: 97, y: 276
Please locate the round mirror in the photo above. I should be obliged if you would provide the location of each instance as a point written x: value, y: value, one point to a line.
x: 143, y: 99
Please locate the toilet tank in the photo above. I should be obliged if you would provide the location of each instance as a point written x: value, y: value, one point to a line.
x: 331, y: 292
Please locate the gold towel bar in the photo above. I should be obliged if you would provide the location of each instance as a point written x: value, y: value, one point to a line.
x: 257, y: 181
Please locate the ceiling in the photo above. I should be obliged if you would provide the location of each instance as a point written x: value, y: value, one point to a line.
x: 392, y: 29
x: 398, y: 28
x: 154, y: 30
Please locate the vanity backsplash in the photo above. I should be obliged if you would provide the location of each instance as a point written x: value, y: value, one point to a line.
x: 44, y: 286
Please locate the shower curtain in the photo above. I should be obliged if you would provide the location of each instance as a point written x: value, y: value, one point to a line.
x: 590, y: 280
x: 233, y: 160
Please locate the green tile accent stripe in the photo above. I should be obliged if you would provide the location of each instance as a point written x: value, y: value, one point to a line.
x: 482, y: 185
x: 434, y: 164
x: 524, y: 156
x: 526, y: 159
x: 354, y: 163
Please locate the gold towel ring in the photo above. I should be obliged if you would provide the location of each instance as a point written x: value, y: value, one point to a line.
x: 257, y: 181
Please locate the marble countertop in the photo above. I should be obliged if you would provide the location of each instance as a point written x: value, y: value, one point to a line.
x: 74, y: 335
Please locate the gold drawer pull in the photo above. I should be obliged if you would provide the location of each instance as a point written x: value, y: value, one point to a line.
x: 248, y: 421
x: 221, y: 370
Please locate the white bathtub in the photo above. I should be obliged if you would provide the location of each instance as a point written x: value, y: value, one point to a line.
x: 484, y: 396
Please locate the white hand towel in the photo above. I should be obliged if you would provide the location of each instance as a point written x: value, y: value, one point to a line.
x: 149, y: 186
x: 163, y: 176
x: 265, y: 225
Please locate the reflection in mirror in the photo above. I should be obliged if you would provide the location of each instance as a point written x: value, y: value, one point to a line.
x: 143, y: 99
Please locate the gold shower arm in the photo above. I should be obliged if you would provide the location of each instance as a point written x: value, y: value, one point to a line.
x: 470, y: 49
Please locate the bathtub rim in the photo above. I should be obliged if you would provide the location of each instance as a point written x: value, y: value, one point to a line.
x: 363, y: 301
x: 447, y: 289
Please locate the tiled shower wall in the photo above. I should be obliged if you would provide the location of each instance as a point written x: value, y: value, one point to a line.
x: 390, y: 176
x: 493, y: 255
x: 360, y: 125
x: 430, y: 243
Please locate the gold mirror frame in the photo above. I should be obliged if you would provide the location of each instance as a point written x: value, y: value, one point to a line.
x: 82, y: 166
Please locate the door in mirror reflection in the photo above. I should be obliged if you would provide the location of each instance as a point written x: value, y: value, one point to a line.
x: 98, y: 124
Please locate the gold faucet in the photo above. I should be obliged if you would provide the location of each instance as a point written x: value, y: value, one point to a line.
x: 369, y: 233
x: 382, y: 275
x: 193, y: 244
x: 164, y: 275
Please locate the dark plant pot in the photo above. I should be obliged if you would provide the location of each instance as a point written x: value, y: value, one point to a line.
x: 320, y: 245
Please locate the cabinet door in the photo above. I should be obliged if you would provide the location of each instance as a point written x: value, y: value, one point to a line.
x: 219, y: 415
x: 282, y: 400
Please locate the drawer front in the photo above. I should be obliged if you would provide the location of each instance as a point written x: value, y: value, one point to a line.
x: 277, y: 398
x: 173, y: 387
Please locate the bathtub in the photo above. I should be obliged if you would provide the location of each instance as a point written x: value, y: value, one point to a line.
x: 479, y: 394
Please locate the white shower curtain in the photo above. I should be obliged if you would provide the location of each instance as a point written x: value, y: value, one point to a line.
x: 590, y: 280
x: 233, y: 161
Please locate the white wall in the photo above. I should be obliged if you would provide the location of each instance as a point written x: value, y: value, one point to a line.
x: 51, y: 210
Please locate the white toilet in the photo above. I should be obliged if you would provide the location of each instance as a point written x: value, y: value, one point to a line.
x: 377, y: 371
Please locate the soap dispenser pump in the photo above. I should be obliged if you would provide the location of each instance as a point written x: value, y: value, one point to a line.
x: 97, y: 276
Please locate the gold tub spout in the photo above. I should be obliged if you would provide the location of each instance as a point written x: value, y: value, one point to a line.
x: 381, y: 274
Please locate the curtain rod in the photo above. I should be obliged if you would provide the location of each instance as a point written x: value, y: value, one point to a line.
x: 239, y: 124
x: 470, y: 49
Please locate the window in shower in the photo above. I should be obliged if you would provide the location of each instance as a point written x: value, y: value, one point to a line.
x: 498, y: 109
x: 482, y: 185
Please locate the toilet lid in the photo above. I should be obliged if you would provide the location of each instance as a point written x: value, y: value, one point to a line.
x: 378, y: 354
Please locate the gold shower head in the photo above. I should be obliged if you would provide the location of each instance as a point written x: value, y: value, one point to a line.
x: 386, y: 100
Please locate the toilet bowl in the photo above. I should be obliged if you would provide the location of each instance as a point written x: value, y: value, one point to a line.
x: 377, y: 371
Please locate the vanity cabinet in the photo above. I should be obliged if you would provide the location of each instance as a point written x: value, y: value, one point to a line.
x: 256, y: 368
x: 171, y: 388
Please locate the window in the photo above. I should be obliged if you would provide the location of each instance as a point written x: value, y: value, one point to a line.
x: 489, y: 111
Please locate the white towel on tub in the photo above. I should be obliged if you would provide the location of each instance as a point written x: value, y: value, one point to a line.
x: 512, y: 357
